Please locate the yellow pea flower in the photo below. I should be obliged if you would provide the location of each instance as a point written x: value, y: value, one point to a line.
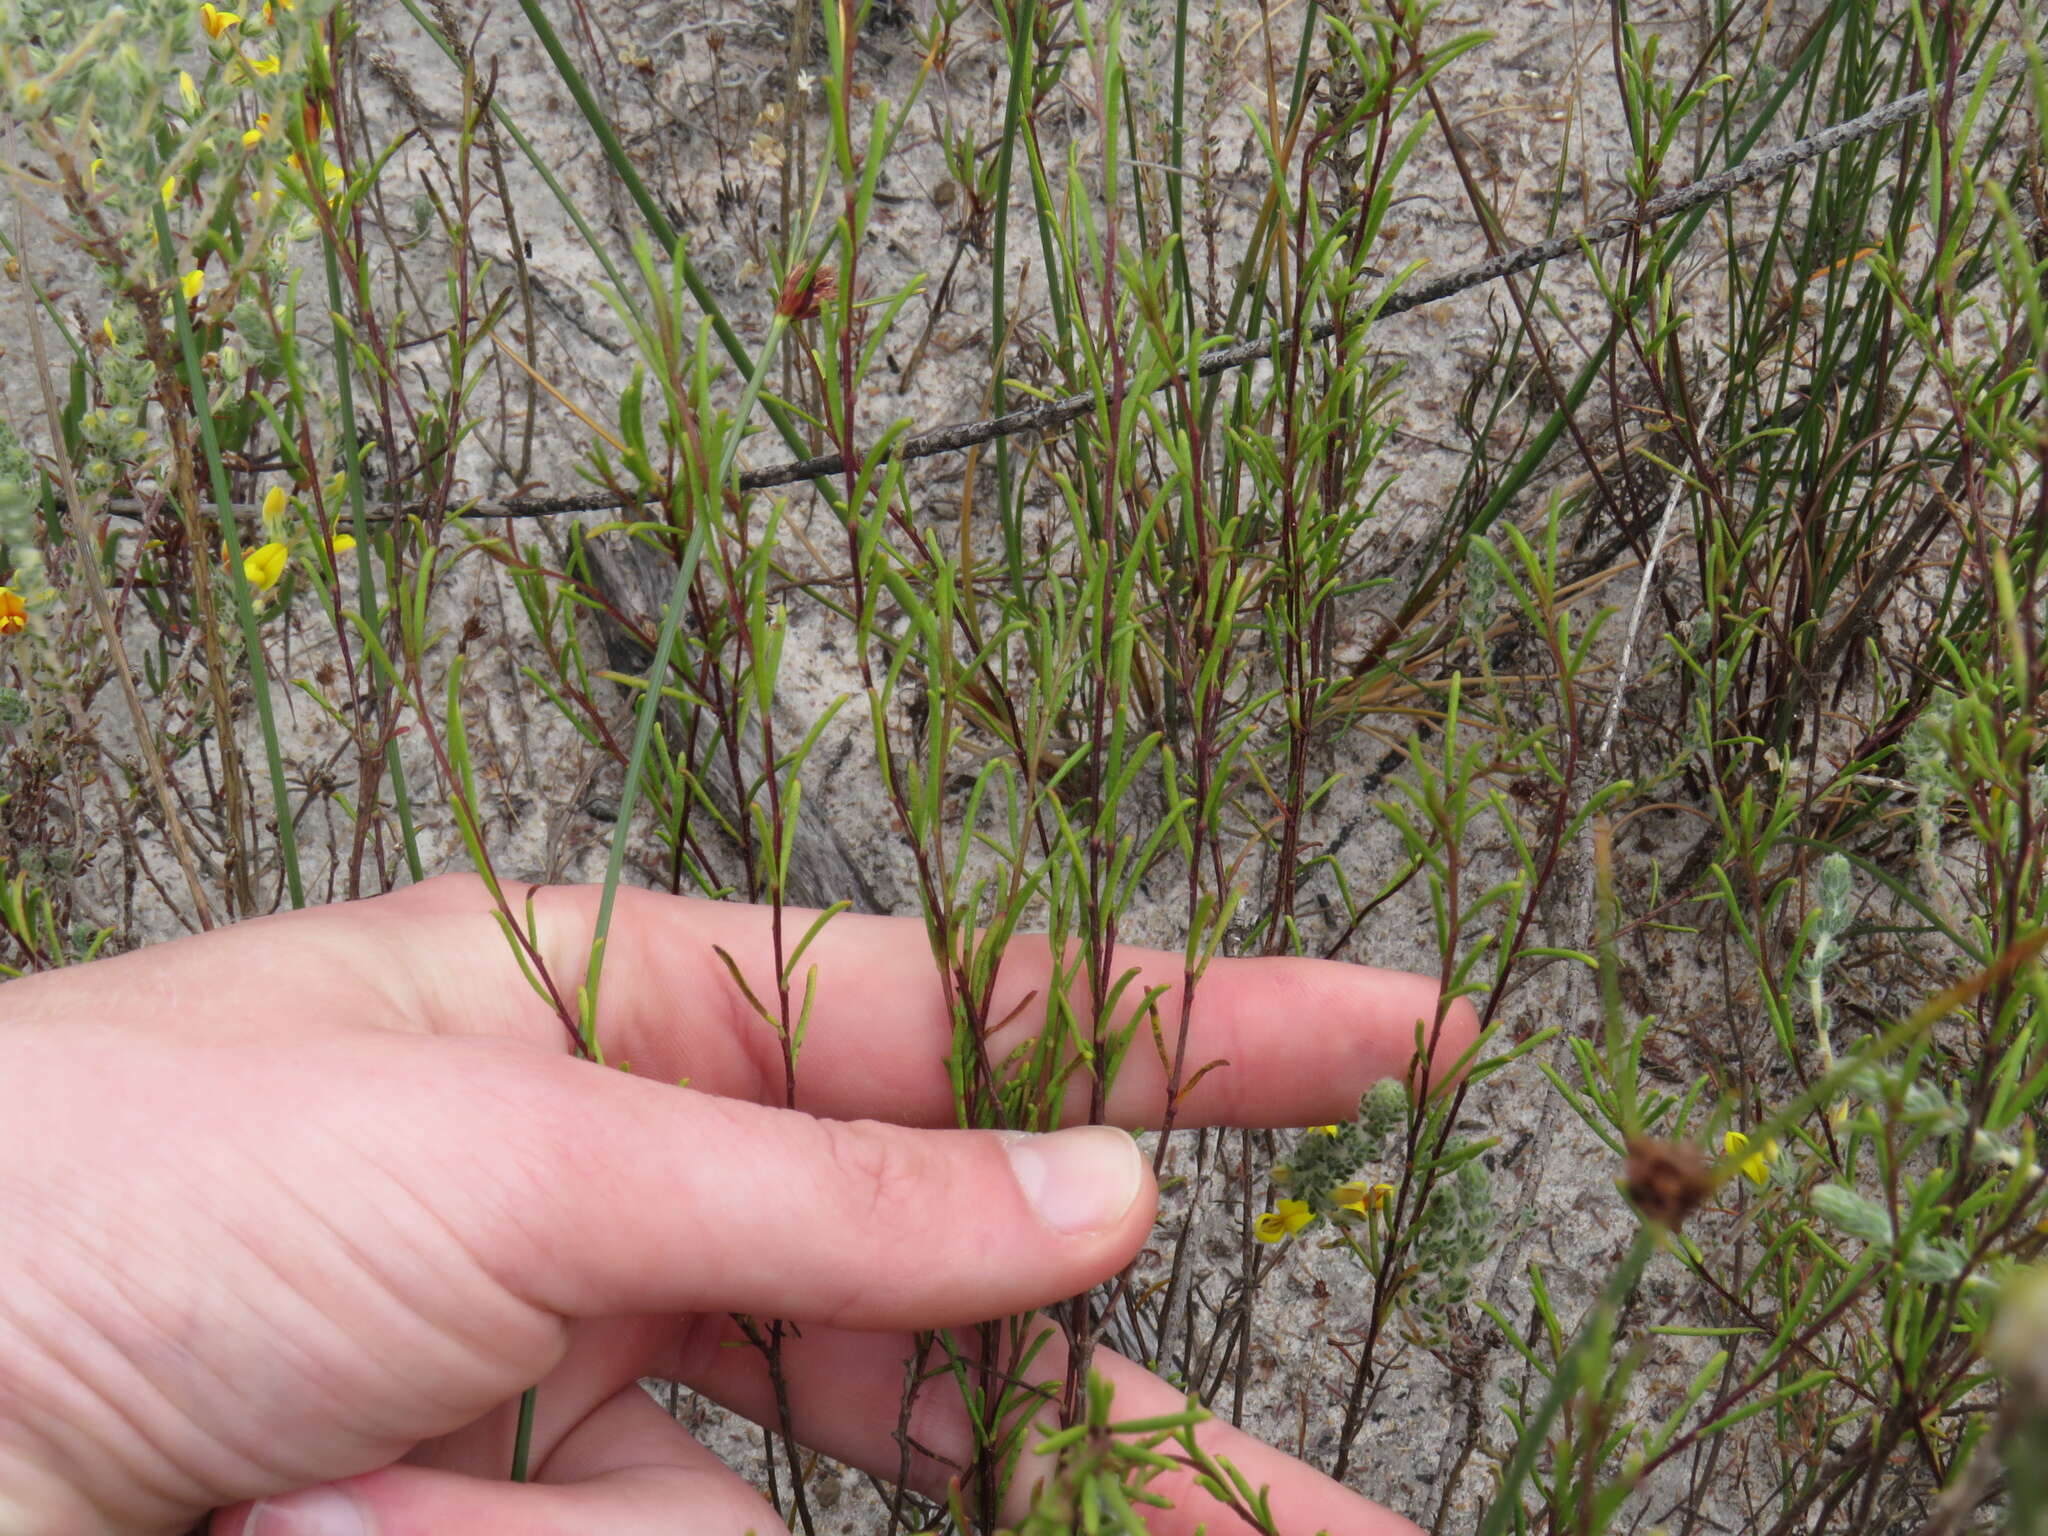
x: 187, y: 91
x: 1363, y: 1198
x: 1291, y: 1217
x: 107, y: 330
x: 1756, y: 1167
x: 263, y: 63
x: 192, y: 282
x: 92, y: 173
x: 264, y: 566
x: 1327, y: 1130
x: 13, y: 612
x: 215, y: 20
x: 254, y: 136
x: 274, y: 502
x: 169, y: 190
x: 330, y: 173
x: 343, y: 543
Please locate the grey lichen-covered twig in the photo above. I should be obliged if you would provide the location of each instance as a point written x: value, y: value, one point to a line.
x: 1762, y: 168
x: 1049, y: 414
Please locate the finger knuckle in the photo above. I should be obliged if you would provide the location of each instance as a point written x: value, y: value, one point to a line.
x: 458, y: 890
x: 883, y: 1170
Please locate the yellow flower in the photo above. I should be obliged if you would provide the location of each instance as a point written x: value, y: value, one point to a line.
x: 1327, y: 1130
x: 1291, y: 1217
x: 330, y: 173
x: 1756, y: 1167
x: 263, y: 63
x: 274, y: 502
x: 1363, y: 1198
x: 192, y: 282
x: 107, y: 329
x: 215, y: 20
x: 169, y: 190
x: 254, y: 136
x: 264, y: 566
x: 92, y: 173
x: 343, y: 543
x: 13, y: 612
x: 187, y: 91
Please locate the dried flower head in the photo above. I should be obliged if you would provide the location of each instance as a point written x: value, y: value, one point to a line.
x: 806, y: 291
x: 1666, y: 1180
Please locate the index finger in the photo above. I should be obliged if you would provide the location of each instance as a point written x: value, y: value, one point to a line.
x: 1286, y: 1041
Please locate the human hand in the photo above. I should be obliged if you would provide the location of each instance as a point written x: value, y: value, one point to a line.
x: 306, y: 1203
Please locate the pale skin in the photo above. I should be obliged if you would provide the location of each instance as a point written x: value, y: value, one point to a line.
x: 294, y: 1211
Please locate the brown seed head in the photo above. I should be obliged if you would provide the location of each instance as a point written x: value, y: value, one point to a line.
x: 1666, y: 1180
x: 806, y: 291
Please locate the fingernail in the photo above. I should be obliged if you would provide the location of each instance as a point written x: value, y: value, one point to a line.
x: 1078, y: 1180
x: 309, y: 1512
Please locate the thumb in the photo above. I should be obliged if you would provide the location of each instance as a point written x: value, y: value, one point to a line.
x: 632, y: 1197
x: 627, y: 1469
